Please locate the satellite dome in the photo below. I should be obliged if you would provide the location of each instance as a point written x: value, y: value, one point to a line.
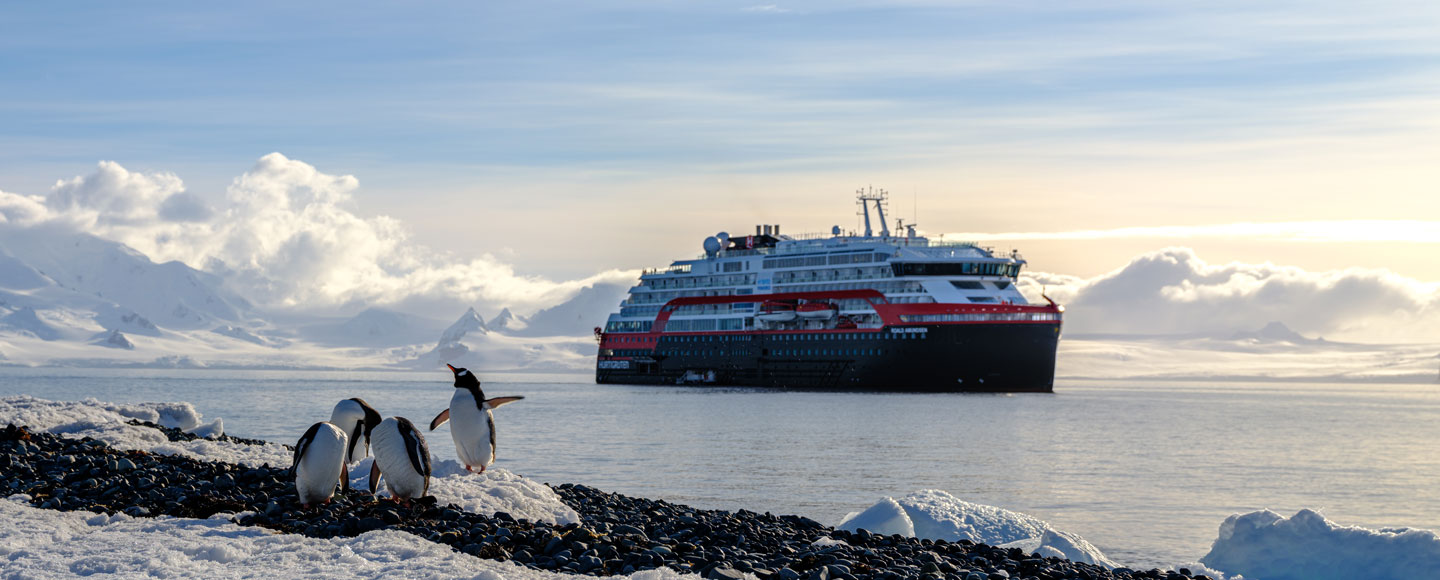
x: 712, y: 245
x: 724, y: 238
x: 834, y: 230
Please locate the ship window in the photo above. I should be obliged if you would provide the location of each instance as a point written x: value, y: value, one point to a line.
x: 985, y: 299
x: 967, y: 285
x: 1002, y: 285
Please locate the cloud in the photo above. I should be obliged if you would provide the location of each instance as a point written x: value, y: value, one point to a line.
x: 1407, y: 231
x: 113, y: 196
x: 1174, y: 291
x: 766, y: 8
x: 21, y: 210
x: 285, y: 236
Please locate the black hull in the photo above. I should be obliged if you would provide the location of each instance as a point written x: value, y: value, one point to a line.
x: 1005, y: 358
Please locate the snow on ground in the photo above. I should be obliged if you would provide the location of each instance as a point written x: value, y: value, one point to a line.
x: 937, y: 515
x: 108, y: 422
x: 36, y: 543
x: 496, y: 490
x: 1306, y: 546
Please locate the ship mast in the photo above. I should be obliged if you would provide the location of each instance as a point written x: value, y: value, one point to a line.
x: 867, y: 195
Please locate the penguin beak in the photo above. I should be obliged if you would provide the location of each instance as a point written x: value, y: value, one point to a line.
x: 451, y: 367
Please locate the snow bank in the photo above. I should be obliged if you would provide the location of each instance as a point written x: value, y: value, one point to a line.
x: 36, y: 543
x: 934, y: 514
x: 1307, y: 546
x: 108, y: 422
x: 496, y: 490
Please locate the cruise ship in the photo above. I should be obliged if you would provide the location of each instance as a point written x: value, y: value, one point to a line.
x: 886, y: 311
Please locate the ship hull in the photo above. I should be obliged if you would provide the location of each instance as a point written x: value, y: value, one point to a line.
x: 1018, y: 357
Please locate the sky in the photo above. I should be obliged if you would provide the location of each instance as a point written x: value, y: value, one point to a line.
x: 544, y: 146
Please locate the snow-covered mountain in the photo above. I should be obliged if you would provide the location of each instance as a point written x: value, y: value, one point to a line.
x: 1275, y: 332
x: 111, y: 284
x: 77, y: 299
x: 506, y: 321
x: 578, y: 315
x: 373, y: 328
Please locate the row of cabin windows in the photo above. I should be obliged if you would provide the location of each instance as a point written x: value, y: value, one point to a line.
x: 778, y: 352
x: 699, y: 281
x: 882, y: 287
x: 827, y: 274
x: 794, y: 337
x: 628, y: 326
x: 826, y: 352
x: 976, y: 285
x: 983, y: 317
x: 824, y: 260
x: 1009, y: 270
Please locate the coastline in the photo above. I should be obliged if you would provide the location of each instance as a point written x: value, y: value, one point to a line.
x: 616, y: 534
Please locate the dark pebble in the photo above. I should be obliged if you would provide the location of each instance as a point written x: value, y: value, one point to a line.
x: 617, y: 534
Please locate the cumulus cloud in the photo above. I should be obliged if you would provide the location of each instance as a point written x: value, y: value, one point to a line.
x: 286, y: 235
x: 1173, y: 291
x: 21, y: 210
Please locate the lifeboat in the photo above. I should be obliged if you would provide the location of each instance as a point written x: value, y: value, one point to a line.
x: 776, y: 311
x: 817, y: 310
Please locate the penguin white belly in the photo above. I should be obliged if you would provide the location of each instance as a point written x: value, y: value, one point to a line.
x: 318, y: 471
x: 391, y: 456
x: 470, y: 428
x: 351, y: 419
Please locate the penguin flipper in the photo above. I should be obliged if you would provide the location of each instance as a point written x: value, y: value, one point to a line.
x: 374, y: 477
x: 303, y: 445
x: 354, y: 440
x: 440, y: 419
x: 497, y: 401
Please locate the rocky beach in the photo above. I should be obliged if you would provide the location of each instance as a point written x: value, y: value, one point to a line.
x: 616, y: 534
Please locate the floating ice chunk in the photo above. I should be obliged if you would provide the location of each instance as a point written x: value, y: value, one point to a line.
x: 886, y: 517
x: 182, y: 416
x: 1062, y: 545
x: 1264, y: 544
x: 937, y: 515
x: 211, y: 430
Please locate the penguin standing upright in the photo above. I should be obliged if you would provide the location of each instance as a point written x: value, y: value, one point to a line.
x: 472, y: 425
x: 319, y: 463
x: 357, y: 418
x: 402, y: 457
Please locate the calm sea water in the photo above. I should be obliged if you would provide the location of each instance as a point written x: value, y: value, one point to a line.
x: 1146, y: 471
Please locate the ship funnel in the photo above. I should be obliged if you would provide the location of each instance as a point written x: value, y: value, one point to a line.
x: 777, y: 230
x: 757, y: 230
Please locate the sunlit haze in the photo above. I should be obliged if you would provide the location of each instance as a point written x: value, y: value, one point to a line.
x: 334, y: 155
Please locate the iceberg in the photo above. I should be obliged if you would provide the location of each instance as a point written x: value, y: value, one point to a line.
x: 1307, y: 546
x: 937, y: 515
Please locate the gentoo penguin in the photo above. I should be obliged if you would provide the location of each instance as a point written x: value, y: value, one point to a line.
x: 472, y: 425
x: 319, y: 463
x: 402, y: 457
x: 357, y: 419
